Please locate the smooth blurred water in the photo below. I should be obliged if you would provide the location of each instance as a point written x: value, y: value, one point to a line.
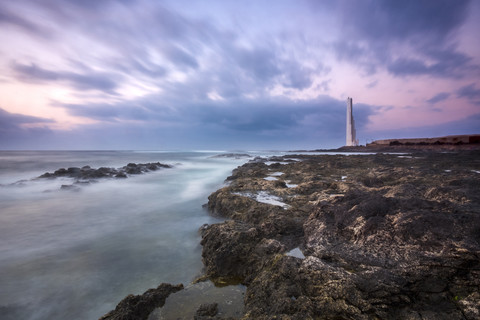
x: 75, y: 255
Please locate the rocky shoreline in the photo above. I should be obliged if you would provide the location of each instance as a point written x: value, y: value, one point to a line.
x: 383, y: 236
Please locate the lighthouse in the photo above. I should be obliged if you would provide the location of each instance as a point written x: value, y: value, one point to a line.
x: 351, y: 133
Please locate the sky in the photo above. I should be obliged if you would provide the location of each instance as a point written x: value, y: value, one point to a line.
x: 234, y: 75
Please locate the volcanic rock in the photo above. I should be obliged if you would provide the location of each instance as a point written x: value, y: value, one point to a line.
x: 139, y: 307
x: 88, y: 174
x: 206, y: 311
x: 383, y: 236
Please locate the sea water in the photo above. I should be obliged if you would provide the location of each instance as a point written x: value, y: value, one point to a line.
x: 74, y: 254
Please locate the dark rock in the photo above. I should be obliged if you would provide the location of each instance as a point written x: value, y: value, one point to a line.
x: 228, y: 249
x: 60, y: 172
x: 232, y: 155
x: 139, y: 307
x: 87, y: 174
x: 206, y: 311
x: 133, y: 170
x: 47, y: 175
x: 152, y: 166
x: 74, y: 171
x: 397, y: 238
x: 69, y: 187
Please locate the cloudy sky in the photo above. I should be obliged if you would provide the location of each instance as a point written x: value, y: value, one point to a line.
x: 198, y: 74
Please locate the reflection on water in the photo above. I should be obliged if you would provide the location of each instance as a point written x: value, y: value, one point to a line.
x: 183, y: 304
x: 75, y: 255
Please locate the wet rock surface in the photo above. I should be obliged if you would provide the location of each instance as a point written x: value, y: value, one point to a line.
x: 383, y: 236
x: 206, y: 311
x: 139, y: 307
x: 86, y: 174
x: 232, y: 155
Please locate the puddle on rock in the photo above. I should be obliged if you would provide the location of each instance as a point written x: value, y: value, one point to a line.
x: 270, y: 178
x: 297, y: 253
x: 276, y: 174
x: 183, y: 304
x: 264, y: 197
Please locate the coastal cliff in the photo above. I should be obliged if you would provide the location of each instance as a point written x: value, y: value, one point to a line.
x: 351, y: 237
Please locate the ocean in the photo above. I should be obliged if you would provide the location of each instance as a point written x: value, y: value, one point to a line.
x: 74, y: 254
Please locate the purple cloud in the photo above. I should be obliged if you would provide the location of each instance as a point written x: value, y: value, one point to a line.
x: 438, y: 97
x: 89, y: 81
x: 423, y: 26
x: 227, y: 73
x: 469, y: 92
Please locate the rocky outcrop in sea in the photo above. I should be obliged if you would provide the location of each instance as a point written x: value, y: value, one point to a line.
x: 382, y: 236
x: 87, y: 174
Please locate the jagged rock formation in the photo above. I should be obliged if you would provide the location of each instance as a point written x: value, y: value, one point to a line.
x: 87, y: 174
x: 232, y: 155
x: 384, y: 236
x: 139, y: 307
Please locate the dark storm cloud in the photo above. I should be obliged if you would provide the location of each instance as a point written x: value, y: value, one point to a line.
x: 298, y: 77
x: 12, y: 19
x: 355, y: 53
x: 402, y: 20
x: 259, y: 63
x: 236, y: 118
x: 14, y: 120
x: 118, y: 112
x: 469, y: 92
x: 438, y: 97
x: 13, y: 134
x: 180, y: 57
x: 171, y: 43
x: 94, y: 4
x: 145, y: 67
x: 89, y: 81
x: 380, y: 28
x: 448, y: 64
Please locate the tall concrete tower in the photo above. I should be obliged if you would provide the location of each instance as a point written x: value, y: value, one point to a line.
x: 351, y: 133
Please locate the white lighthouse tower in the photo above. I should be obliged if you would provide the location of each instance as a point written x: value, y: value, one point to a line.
x: 351, y: 133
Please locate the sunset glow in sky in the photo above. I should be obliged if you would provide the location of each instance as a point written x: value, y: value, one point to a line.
x: 149, y: 74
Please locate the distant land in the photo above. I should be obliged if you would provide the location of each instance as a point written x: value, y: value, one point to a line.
x: 453, y: 142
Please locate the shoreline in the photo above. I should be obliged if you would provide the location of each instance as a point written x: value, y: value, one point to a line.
x: 379, y: 235
x: 404, y: 148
